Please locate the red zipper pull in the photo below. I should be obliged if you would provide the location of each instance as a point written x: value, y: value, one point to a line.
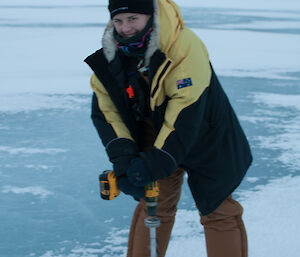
x: 130, y: 91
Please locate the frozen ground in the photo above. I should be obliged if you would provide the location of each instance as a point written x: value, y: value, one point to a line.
x: 50, y: 156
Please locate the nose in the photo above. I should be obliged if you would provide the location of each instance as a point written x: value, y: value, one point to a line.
x: 126, y: 29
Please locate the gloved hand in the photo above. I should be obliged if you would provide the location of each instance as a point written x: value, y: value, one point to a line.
x: 127, y: 188
x: 120, y: 152
x: 138, y: 173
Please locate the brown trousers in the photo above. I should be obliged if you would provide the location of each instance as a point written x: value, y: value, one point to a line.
x: 224, y: 229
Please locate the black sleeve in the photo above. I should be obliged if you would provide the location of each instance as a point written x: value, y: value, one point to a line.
x: 119, y: 150
x: 104, y: 129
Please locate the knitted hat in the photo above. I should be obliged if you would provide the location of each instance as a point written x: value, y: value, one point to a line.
x: 131, y: 6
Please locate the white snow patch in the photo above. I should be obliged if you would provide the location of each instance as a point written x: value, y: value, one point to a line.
x: 289, y: 143
x: 252, y: 179
x: 77, y: 252
x: 28, y: 150
x: 247, y: 4
x: 115, y: 246
x: 278, y: 100
x: 253, y: 4
x: 250, y: 54
x: 283, y: 15
x: 37, y: 167
x: 288, y: 140
x: 34, y: 190
x: 187, y: 236
x: 270, y: 216
x: 117, y: 236
x: 262, y: 25
x: 109, y: 220
x: 256, y: 119
x: 31, y: 102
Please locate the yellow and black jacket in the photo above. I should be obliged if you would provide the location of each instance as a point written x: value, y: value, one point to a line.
x: 195, y: 124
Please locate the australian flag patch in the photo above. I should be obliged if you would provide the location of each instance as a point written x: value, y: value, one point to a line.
x: 184, y: 83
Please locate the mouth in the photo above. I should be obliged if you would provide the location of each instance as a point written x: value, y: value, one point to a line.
x: 128, y: 35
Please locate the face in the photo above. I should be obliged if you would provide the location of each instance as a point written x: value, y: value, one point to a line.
x: 129, y: 24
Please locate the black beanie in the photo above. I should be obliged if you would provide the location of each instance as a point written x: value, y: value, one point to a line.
x: 132, y: 6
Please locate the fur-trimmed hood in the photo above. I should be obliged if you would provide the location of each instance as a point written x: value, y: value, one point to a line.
x: 167, y: 21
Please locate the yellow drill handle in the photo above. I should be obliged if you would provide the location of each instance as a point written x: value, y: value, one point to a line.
x: 152, y: 190
x: 151, y: 198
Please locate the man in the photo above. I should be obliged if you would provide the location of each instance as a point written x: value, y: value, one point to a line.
x: 160, y: 110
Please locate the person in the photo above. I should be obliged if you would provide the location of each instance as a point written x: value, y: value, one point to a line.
x: 160, y: 111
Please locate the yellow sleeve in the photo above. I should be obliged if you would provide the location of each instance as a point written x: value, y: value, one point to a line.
x: 109, y: 110
x: 190, y: 61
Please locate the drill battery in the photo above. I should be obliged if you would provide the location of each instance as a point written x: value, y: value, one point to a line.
x: 109, y: 189
x: 108, y: 185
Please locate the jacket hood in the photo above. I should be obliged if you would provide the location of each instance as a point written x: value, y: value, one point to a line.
x: 167, y: 22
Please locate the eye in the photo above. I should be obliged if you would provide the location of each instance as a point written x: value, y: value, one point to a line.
x: 116, y: 21
x: 133, y: 18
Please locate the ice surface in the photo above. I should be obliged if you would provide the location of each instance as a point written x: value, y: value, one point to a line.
x: 36, y: 191
x: 24, y: 150
x: 271, y: 219
x: 288, y: 141
x: 50, y: 154
x: 255, y: 4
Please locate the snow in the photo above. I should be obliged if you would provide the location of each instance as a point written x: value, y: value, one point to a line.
x: 275, y: 100
x: 252, y: 179
x: 43, y: 38
x: 34, y: 190
x: 270, y: 216
x: 271, y: 221
x: 37, y: 167
x: 26, y: 150
x: 240, y: 53
x: 235, y: 4
x: 19, y: 102
x: 42, y: 47
x: 288, y: 140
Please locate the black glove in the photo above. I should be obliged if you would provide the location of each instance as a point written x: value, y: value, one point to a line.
x: 159, y: 164
x: 120, y: 152
x: 127, y: 188
x: 138, y: 173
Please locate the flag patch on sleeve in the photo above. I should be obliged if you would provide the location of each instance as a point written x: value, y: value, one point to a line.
x: 184, y: 83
